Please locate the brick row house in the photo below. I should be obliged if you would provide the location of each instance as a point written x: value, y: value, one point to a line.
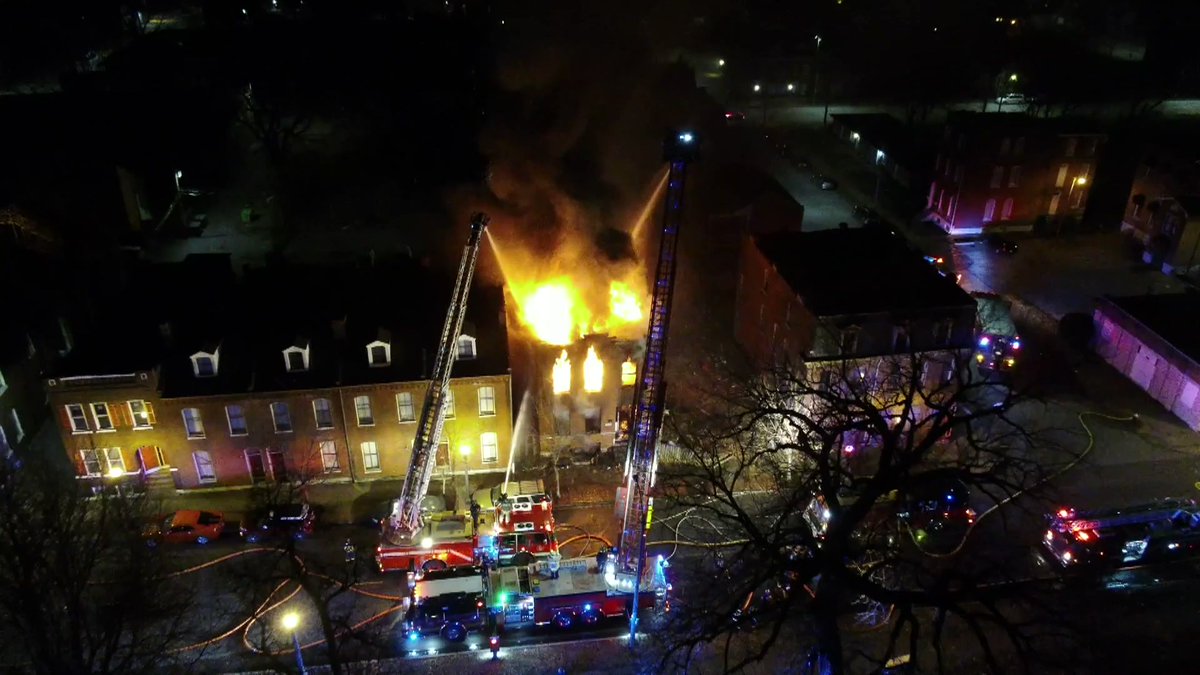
x: 335, y: 396
x: 1010, y: 172
x: 801, y: 305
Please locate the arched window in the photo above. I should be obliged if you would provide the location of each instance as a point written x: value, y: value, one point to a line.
x: 989, y: 211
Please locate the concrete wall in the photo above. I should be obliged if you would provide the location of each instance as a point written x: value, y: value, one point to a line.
x: 1153, y: 366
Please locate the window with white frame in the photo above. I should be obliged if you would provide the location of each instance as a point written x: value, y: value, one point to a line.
x: 466, y: 347
x: 115, y: 460
x: 404, y: 407
x: 192, y: 423
x: 487, y: 401
x: 142, y: 413
x: 379, y: 354
x: 329, y: 457
x: 989, y: 210
x: 323, y: 413
x: 282, y: 417
x: 3, y: 383
x: 92, y: 466
x: 295, y: 359
x: 362, y: 410
x: 204, y: 467
x: 78, y: 418
x: 205, y: 364
x: 448, y: 404
x: 102, y: 417
x: 18, y: 429
x: 489, y: 448
x: 237, y: 420
x: 370, y: 455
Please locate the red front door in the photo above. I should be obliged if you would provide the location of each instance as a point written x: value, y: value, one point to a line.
x: 149, y: 458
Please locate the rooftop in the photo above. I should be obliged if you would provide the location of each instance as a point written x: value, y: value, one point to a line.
x: 1161, y: 314
x: 859, y: 271
x: 1015, y: 122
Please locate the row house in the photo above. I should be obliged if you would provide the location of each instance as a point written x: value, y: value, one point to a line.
x: 1010, y: 172
x: 325, y: 399
x: 800, y: 305
x: 1163, y: 209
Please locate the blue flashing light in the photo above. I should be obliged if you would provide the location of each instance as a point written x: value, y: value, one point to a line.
x: 413, y: 635
x: 587, y: 607
x: 1016, y: 344
x: 984, y: 341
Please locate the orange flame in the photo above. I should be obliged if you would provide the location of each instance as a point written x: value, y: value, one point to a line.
x: 593, y: 371
x: 561, y: 374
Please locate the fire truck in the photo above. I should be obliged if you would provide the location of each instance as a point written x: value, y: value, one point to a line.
x: 449, y: 604
x: 1160, y: 531
x: 577, y: 593
x: 524, y: 525
x: 999, y: 345
x: 408, y: 540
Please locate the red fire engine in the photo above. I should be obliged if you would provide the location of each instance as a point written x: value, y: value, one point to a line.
x: 443, y: 541
x: 578, y: 593
x: 524, y: 525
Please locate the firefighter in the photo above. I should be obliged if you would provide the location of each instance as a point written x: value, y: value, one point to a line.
x: 349, y: 550
x: 475, y: 510
x: 554, y: 562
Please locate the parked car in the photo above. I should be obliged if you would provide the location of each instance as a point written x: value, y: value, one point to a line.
x: 733, y: 117
x: 867, y: 216
x: 293, y: 521
x: 826, y: 183
x: 1001, y: 245
x: 185, y: 527
x: 1013, y: 98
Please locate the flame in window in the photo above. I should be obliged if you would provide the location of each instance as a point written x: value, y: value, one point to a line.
x: 593, y: 372
x: 561, y: 375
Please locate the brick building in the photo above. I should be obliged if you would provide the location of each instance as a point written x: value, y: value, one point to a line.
x: 1010, y: 172
x: 1144, y: 338
x: 1163, y: 210
x: 845, y: 293
x: 261, y: 394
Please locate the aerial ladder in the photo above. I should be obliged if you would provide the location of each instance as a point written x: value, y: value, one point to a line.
x: 641, y: 461
x: 405, y: 521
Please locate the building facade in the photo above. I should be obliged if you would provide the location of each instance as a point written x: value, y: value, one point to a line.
x: 1163, y: 210
x: 237, y: 404
x: 1010, y: 172
x: 1144, y: 339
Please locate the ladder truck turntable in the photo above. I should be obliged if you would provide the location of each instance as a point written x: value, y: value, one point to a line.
x: 1161, y: 531
x: 407, y: 541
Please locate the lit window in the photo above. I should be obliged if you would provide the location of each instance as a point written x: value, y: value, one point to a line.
x: 448, y: 404
x: 100, y: 415
x: 487, y: 401
x: 628, y: 373
x: 362, y: 410
x: 329, y: 457
x: 370, y: 456
x: 379, y: 354
x: 282, y: 417
x: 78, y: 418
x: 204, y: 467
x: 404, y: 407
x: 142, y: 414
x: 489, y: 447
x: 192, y: 423
x: 237, y: 420
x: 466, y: 347
x: 115, y: 460
x: 323, y: 413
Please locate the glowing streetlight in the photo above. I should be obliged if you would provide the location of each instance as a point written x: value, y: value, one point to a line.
x: 116, y: 472
x: 290, y: 622
x: 757, y: 88
x: 818, y: 39
x: 1012, y: 78
x: 720, y: 63
x: 791, y: 87
x: 1078, y: 180
x: 178, y: 175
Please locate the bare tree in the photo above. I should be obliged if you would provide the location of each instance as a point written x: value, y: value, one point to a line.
x: 800, y: 503
x: 80, y: 592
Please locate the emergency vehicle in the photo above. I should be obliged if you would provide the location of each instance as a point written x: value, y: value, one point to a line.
x: 446, y: 540
x: 1161, y: 531
x: 447, y: 603
x: 524, y: 524
x: 999, y: 344
x: 577, y: 593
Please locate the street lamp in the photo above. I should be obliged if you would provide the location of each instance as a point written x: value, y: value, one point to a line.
x: 791, y: 87
x: 757, y: 87
x: 818, y: 39
x: 1012, y: 78
x: 178, y: 175
x: 465, y: 451
x: 720, y: 63
x: 290, y: 622
x: 1078, y: 180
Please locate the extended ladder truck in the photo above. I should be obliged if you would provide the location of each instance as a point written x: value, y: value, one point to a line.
x: 407, y: 541
x: 1161, y: 531
x: 626, y: 571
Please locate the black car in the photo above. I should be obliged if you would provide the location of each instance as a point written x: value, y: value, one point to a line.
x: 867, y: 216
x: 294, y: 521
x: 998, y: 244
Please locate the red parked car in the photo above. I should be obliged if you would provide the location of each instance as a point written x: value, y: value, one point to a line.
x: 185, y: 527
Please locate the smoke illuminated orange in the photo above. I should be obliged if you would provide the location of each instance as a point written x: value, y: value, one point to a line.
x: 561, y: 377
x: 593, y: 371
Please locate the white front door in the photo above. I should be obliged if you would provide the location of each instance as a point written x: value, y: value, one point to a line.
x: 1144, y: 364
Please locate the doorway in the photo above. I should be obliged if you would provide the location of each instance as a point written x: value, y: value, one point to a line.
x: 254, y: 462
x: 278, y: 466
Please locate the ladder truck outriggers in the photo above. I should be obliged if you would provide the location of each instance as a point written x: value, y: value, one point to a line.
x: 407, y: 541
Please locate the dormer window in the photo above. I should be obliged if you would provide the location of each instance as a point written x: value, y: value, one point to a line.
x: 379, y: 354
x: 205, y: 363
x: 295, y: 357
x: 466, y: 347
